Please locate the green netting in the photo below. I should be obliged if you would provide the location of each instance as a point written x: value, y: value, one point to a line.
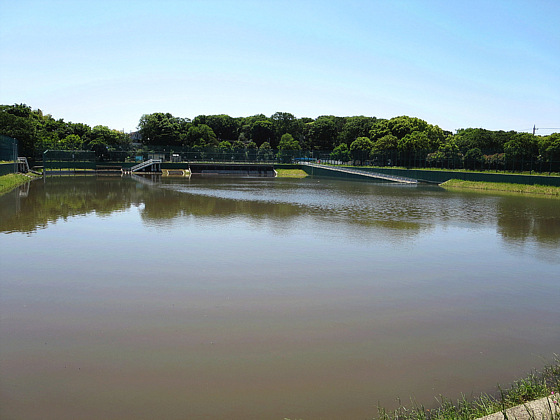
x: 420, y: 159
x: 69, y: 156
x: 8, y: 148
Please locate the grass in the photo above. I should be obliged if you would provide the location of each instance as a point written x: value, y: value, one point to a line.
x: 550, y: 191
x: 11, y: 181
x: 291, y: 173
x: 535, y: 386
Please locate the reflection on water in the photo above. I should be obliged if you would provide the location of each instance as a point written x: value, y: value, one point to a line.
x: 267, y: 298
x: 380, y: 206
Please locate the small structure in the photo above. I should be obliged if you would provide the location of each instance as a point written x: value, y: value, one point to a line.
x: 156, y: 156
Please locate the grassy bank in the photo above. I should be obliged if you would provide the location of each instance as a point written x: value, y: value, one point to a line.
x: 475, y: 171
x: 10, y: 181
x: 534, y: 386
x: 505, y: 187
x: 291, y: 173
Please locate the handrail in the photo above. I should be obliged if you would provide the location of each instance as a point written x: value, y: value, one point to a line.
x: 369, y: 174
x: 144, y: 164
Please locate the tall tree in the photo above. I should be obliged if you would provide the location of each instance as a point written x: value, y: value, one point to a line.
x: 201, y: 136
x: 355, y: 127
x: 224, y: 126
x: 261, y: 132
x: 323, y: 133
x: 403, y: 125
x: 284, y: 122
x: 162, y: 129
x: 287, y: 148
x: 361, y: 149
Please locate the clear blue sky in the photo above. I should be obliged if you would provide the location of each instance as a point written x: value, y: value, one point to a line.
x: 493, y: 64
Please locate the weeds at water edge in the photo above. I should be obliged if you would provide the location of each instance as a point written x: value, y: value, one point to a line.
x: 536, y: 385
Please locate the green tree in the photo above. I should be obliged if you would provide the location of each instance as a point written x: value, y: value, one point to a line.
x: 323, y: 133
x: 284, y: 122
x: 225, y: 150
x: 265, y: 152
x: 341, y: 153
x: 81, y: 130
x: 287, y: 148
x: 224, y: 126
x: 415, y: 141
x: 355, y: 127
x: 447, y: 155
x: 485, y: 140
x: 404, y: 125
x: 71, y: 142
x: 251, y: 150
x: 162, y: 129
x: 379, y: 129
x: 474, y: 159
x: 360, y: 149
x: 262, y: 132
x: 386, y: 143
x: 112, y: 139
x: 549, y: 148
x: 201, y: 136
x: 523, y: 147
x: 16, y: 122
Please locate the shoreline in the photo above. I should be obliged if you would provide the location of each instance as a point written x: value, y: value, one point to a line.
x: 493, y: 187
x: 10, y: 181
x: 535, y: 397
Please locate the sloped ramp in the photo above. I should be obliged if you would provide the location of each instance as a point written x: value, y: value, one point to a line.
x: 365, y: 174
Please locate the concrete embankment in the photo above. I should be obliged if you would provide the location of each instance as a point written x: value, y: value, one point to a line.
x: 545, y: 408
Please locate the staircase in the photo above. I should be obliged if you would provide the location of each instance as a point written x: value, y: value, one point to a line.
x: 22, y: 164
x: 151, y: 162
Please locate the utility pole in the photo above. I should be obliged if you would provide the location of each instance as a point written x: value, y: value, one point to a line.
x: 534, y: 129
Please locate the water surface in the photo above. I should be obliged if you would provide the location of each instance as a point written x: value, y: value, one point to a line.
x: 267, y: 298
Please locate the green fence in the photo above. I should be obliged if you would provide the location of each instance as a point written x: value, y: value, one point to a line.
x: 486, y: 160
x: 8, y: 168
x: 8, y: 148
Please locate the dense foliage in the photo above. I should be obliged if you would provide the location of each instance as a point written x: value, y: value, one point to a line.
x: 37, y: 132
x: 400, y: 140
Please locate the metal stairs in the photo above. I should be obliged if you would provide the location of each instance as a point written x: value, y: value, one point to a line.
x: 145, y: 164
x: 23, y: 165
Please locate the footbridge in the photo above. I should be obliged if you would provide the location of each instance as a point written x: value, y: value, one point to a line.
x: 363, y: 173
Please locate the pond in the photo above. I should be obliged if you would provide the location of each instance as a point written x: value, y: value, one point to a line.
x: 254, y: 298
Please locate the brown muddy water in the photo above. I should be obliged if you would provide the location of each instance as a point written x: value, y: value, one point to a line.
x: 223, y: 298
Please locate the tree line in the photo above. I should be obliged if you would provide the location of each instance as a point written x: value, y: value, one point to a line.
x: 400, y: 140
x: 37, y: 132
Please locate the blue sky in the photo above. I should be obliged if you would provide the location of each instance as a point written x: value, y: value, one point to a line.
x: 493, y: 64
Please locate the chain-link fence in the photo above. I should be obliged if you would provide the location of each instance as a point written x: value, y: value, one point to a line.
x: 69, y: 156
x: 487, y: 160
x: 8, y: 149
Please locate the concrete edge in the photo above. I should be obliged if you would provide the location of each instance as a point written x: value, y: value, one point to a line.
x: 544, y: 408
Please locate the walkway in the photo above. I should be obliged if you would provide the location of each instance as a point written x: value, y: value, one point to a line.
x: 364, y: 173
